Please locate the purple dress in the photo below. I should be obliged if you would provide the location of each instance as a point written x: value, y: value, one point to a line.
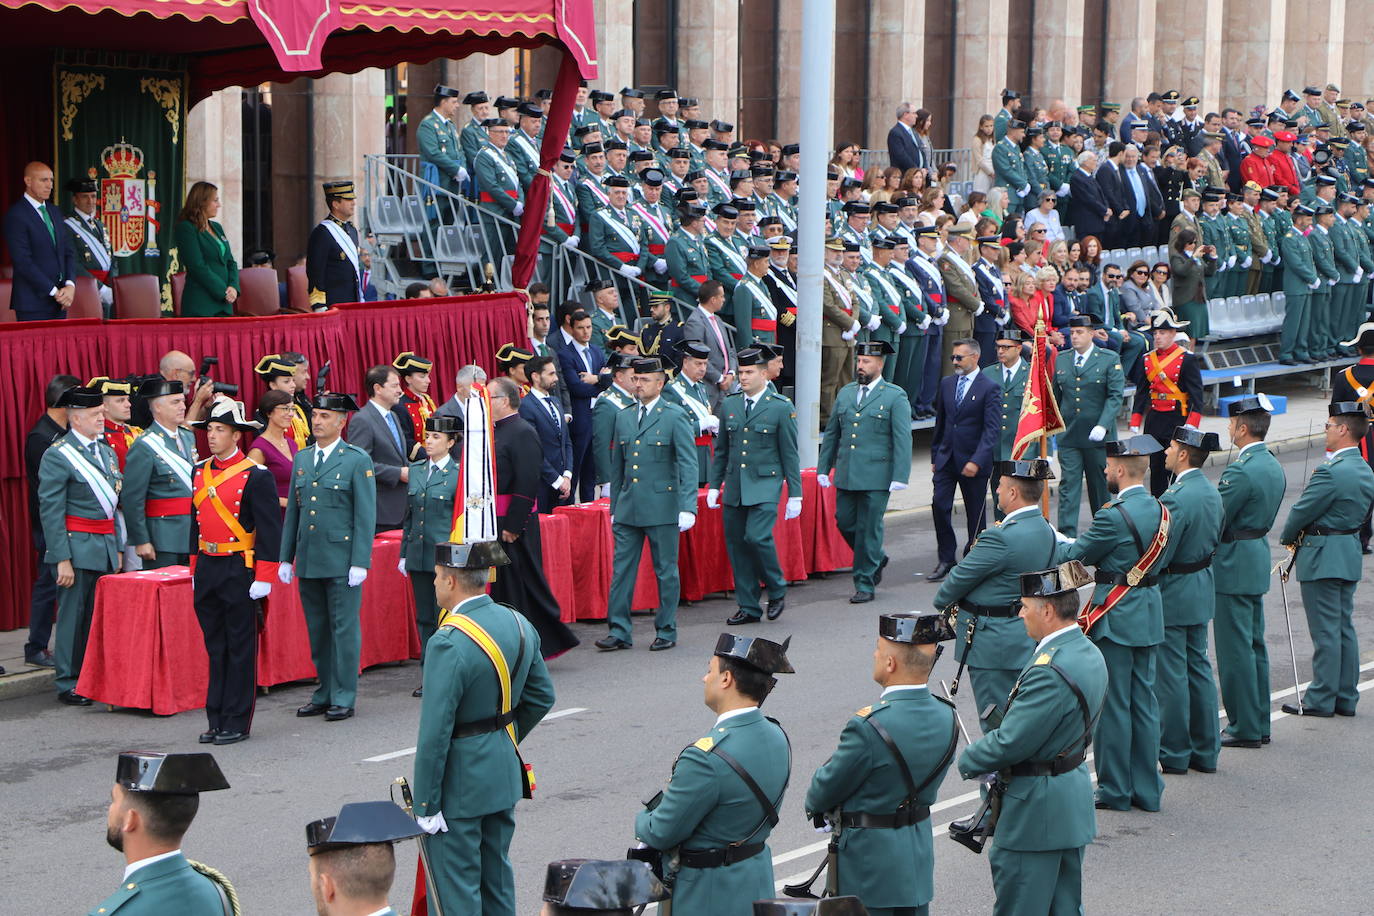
x: 278, y: 464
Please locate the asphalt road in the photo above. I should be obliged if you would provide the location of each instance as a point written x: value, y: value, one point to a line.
x: 1276, y: 830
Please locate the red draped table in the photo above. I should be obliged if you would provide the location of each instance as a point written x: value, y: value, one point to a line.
x: 146, y: 650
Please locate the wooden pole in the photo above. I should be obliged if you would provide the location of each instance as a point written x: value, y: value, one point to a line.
x: 1045, y: 494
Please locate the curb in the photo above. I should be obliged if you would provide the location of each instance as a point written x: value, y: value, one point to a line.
x: 26, y: 682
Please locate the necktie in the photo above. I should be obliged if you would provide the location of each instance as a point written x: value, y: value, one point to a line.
x: 47, y: 221
x: 586, y: 360
x: 319, y: 458
x: 963, y: 386
x: 395, y: 431
x: 642, y: 411
x: 553, y: 411
x: 749, y: 405
x: 95, y: 453
x: 430, y: 475
x: 859, y: 402
x: 1006, y: 378
x: 1078, y: 361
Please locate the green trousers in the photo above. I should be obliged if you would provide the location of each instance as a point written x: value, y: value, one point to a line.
x: 1074, y: 465
x: 1296, y: 324
x: 1351, y: 309
x: 1319, y: 326
x: 753, y: 555
x: 426, y: 607
x: 1126, y: 740
x: 165, y: 559
x: 1242, y: 664
x: 859, y: 516
x: 703, y: 464
x: 1330, y: 605
x: 75, y: 606
x: 1195, y: 313
x: 1187, y: 695
x: 909, y: 365
x: 471, y: 865
x: 992, y: 686
x: 1037, y: 883
x: 336, y: 638
x: 629, y: 545
x: 899, y: 911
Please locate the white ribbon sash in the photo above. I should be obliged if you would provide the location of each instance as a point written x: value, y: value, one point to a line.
x: 102, y: 254
x: 568, y: 205
x: 181, y: 467
x: 622, y: 230
x: 595, y: 187
x: 94, y: 477
x: 762, y: 296
x: 652, y: 220
x: 689, y: 398
x: 730, y: 253
x: 349, y: 247
x: 840, y: 291
x: 505, y: 166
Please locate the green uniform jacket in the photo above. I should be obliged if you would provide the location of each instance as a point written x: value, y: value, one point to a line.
x: 1365, y: 247
x: 523, y: 153
x: 752, y: 300
x: 687, y: 264
x: 1195, y: 515
x: 473, y: 139
x: 868, y: 447
x: 653, y: 466
x: 331, y: 513
x: 607, y: 405
x: 601, y: 323
x: 429, y: 516
x: 999, y: 124
x: 755, y: 456
x: 481, y: 774
x: 606, y: 243
x: 1344, y: 249
x: 1041, y: 813
x: 1323, y: 257
x: 990, y: 575
x: 1009, y: 167
x: 1090, y: 396
x: 725, y: 259
x: 439, y: 146
x: 1251, y: 490
x: 1298, y: 269
x: 1337, y: 496
x: 1060, y: 159
x: 1013, y: 394
x: 86, y: 260
x: 1216, y: 231
x: 862, y: 776
x: 148, y: 475
x: 1037, y: 173
x: 62, y: 491
x: 887, y: 300
x: 1240, y: 238
x: 210, y: 269
x: 707, y: 806
x: 499, y: 181
x: 1138, y: 618
x: 170, y: 885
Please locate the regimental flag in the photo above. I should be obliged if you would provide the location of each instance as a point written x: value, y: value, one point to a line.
x: 1040, y: 417
x: 474, y: 509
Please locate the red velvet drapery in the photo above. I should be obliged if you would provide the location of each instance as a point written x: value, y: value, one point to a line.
x: 537, y: 196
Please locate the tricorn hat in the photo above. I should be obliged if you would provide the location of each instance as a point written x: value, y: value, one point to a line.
x: 360, y: 823
x: 333, y: 400
x: 1056, y: 581
x: 1164, y: 319
x: 231, y: 413
x: 602, y: 885
x: 1196, y: 438
x: 169, y: 774
x: 1027, y: 468
x: 470, y: 555
x: 443, y: 423
x: 756, y: 652
x: 1134, y: 447
x: 920, y: 629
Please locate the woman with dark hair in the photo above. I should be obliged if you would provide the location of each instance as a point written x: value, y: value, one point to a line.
x: 1191, y: 263
x: 212, y: 274
x: 922, y: 131
x: 846, y: 161
x: 1160, y: 288
x: 275, y: 447
x: 1090, y: 257
x: 1137, y: 301
x: 913, y: 182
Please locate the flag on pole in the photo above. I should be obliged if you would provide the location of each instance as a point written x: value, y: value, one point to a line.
x: 1040, y: 416
x: 474, y: 509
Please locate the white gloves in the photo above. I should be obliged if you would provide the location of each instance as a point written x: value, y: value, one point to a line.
x: 713, y: 499
x: 356, y: 575
x: 901, y: 328
x: 943, y: 319
x: 1330, y: 282
x: 519, y: 208
x: 571, y: 241
x: 685, y: 520
x: 1359, y: 274
x: 823, y: 480
x: 925, y: 322
x: 1247, y: 262
x: 462, y: 175
x: 433, y: 824
x: 1135, y: 430
x: 1063, y: 538
x: 1002, y: 320
x: 603, y: 491
x: 259, y: 590
x: 895, y: 486
x: 1063, y: 190
x: 1098, y: 434
x: 1230, y: 262
x: 981, y: 310
x: 1277, y: 259
x: 401, y: 566
x: 849, y: 335
x: 1024, y: 191
x: 1314, y: 284
x: 1268, y: 256
x: 874, y: 323
x: 660, y: 266
x: 710, y: 424
x: 793, y: 508
x: 629, y: 270
x: 107, y: 295
x: 284, y: 573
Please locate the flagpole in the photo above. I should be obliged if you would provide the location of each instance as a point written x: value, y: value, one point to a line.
x: 1045, y: 493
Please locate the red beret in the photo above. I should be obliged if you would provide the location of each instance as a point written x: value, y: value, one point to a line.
x: 1286, y: 136
x: 1261, y: 141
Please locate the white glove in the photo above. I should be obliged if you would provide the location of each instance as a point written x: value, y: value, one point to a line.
x: 401, y: 566
x: 1277, y: 259
x: 901, y: 328
x: 1330, y: 282
x: 849, y: 335
x: 943, y: 319
x: 571, y: 241
x: 1268, y: 256
x: 823, y: 480
x: 1024, y: 191
x: 1098, y: 434
x: 685, y: 520
x: 1135, y: 430
x: 710, y: 424
x: 925, y: 322
x: 1002, y: 320
x: 107, y: 295
x: 874, y: 323
x: 519, y: 208
x: 603, y: 491
x: 1314, y: 284
x: 895, y: 486
x: 356, y: 575
x: 1247, y: 262
x: 1063, y: 190
x: 284, y: 573
x: 1230, y: 262
x: 793, y: 508
x: 660, y: 266
x: 629, y: 270
x: 854, y: 328
x: 259, y: 590
x: 713, y: 499
x: 433, y: 824
x: 980, y: 311
x: 462, y: 175
x: 1359, y: 274
x: 1063, y: 538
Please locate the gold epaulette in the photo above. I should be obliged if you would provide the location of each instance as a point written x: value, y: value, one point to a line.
x: 864, y: 713
x: 317, y: 297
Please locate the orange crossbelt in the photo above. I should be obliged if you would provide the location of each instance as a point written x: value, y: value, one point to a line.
x: 1095, y: 612
x: 230, y: 521
x: 1155, y: 369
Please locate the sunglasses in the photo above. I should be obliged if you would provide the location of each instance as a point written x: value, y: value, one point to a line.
x: 955, y: 357
x: 1038, y: 230
x: 1139, y: 270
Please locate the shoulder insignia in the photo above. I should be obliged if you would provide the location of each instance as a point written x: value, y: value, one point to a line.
x: 1118, y: 367
x: 367, y: 473
x: 864, y: 713
x: 704, y: 744
x: 1043, y: 658
x: 948, y: 702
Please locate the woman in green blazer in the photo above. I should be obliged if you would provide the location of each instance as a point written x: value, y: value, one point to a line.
x: 1189, y: 263
x: 212, y: 276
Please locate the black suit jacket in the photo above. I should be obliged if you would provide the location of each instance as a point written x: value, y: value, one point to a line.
x: 329, y: 268
x: 968, y: 430
x: 1108, y: 178
x: 902, y: 150
x: 1087, y: 205
x: 1154, y: 201
x: 39, y: 263
x: 1231, y: 155
x: 368, y: 430
x: 582, y: 394
x: 554, y: 440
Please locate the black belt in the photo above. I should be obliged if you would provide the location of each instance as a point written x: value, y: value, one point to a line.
x: 717, y: 858
x: 1243, y: 534
x: 904, y: 817
x: 1102, y: 577
x: 1182, y: 569
x: 483, y: 726
x: 1056, y: 767
x: 1324, y: 531
x: 988, y: 610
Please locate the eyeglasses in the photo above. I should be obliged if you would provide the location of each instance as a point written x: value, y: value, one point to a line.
x: 955, y: 357
x: 1139, y: 270
x: 1111, y: 276
x: 1008, y: 346
x: 1038, y: 230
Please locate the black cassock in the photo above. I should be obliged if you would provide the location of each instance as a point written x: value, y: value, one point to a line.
x: 522, y: 584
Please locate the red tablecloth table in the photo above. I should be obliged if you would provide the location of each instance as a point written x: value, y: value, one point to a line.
x: 594, y: 557
x: 826, y: 550
x: 146, y: 650
x: 555, y: 539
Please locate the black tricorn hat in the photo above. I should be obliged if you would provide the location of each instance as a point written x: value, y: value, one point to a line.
x: 169, y: 774
x: 874, y: 348
x: 752, y: 356
x: 1346, y: 409
x: 160, y: 387
x: 1048, y: 582
x: 333, y: 400
x: 919, y: 629
x: 756, y: 652
x: 442, y: 423
x: 470, y: 555
x: 597, y: 884
x: 693, y: 348
x: 1134, y: 447
x: 1249, y: 403
x: 360, y: 823
x: 1028, y: 468
x: 81, y: 396
x: 1191, y: 435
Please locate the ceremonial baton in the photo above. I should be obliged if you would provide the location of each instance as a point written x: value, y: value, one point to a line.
x: 1288, y: 621
x: 950, y: 697
x: 408, y: 804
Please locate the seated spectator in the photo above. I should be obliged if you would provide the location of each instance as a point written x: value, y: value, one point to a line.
x: 1137, y: 302
x: 1045, y: 215
x: 1059, y: 257
x: 1091, y: 257
x: 419, y: 290
x: 1160, y: 287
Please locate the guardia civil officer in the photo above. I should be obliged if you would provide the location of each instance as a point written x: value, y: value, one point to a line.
x: 331, y: 253
x: 755, y: 455
x: 718, y: 809
x: 486, y: 687
x: 154, y: 799
x: 331, y: 515
x: 878, y: 785
x: 1038, y: 752
x: 353, y: 859
x: 612, y: 888
x: 157, y: 479
x: 1323, y: 529
x: 1088, y: 384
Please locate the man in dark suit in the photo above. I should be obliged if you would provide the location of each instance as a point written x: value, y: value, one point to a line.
x: 333, y: 266
x: 1234, y: 147
x: 902, y: 150
x: 541, y: 409
x: 968, y: 424
x: 1109, y: 180
x: 1088, y: 209
x: 1145, y: 202
x: 581, y: 365
x: 704, y: 325
x: 379, y: 430
x: 44, y: 263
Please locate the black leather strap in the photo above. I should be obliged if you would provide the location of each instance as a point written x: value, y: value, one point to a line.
x: 718, y: 858
x: 1072, y: 756
x: 1102, y: 577
x: 989, y: 610
x: 770, y: 812
x: 908, y: 812
x: 1243, y: 534
x: 483, y: 726
x: 1324, y: 531
x: 1182, y: 569
x: 1130, y: 526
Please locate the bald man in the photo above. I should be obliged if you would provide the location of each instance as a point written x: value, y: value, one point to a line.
x: 44, y: 262
x: 176, y: 366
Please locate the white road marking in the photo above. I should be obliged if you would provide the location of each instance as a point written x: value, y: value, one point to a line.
x: 406, y: 752
x: 564, y: 712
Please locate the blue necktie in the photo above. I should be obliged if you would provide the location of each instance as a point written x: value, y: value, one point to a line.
x: 961, y: 388
x: 1139, y: 192
x: 395, y: 432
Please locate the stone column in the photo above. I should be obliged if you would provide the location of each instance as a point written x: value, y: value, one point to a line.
x: 493, y: 72
x: 615, y: 43
x: 349, y: 116
x: 1130, y: 51
x: 1187, y: 48
x: 896, y: 71
x: 980, y: 63
x: 1357, y: 78
x: 420, y: 82
x: 1057, y: 52
x: 1315, y: 52
x: 214, y: 153
x: 789, y: 64
x: 1253, y: 54
x: 708, y: 56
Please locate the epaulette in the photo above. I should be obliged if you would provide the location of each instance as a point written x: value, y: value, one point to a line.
x: 1044, y: 657
x: 864, y: 713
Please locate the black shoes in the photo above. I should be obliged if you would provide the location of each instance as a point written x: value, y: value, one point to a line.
x: 1290, y: 362
x: 1345, y: 712
x: 777, y: 605
x: 1174, y: 771
x: 41, y: 660
x: 739, y: 618
x: 860, y: 597
x: 1201, y: 769
x: 939, y: 572
x: 208, y: 736
x: 312, y: 709
x: 1228, y: 741
x: 659, y: 644
x: 333, y: 714
x: 1295, y: 709
x: 610, y: 644
x: 224, y: 738
x: 72, y: 698
x: 878, y: 576
x: 418, y: 692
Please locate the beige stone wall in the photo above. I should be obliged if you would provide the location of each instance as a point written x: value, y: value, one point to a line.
x: 1253, y: 54
x: 493, y: 72
x: 708, y: 55
x: 980, y: 63
x: 1186, y: 51
x: 789, y: 69
x: 350, y: 123
x: 615, y: 30
x: 1057, y: 55
x: 1130, y: 50
x: 214, y: 153
x: 1357, y: 78
x: 896, y: 72
x: 1311, y: 56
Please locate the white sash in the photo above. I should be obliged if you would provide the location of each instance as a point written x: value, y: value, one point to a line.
x: 102, y: 254
x: 840, y: 291
x: 787, y: 290
x: 526, y: 146
x: 652, y: 220
x: 730, y: 253
x: 505, y: 166
x: 722, y: 186
x: 896, y: 300
x: 350, y: 247
x: 762, y: 296
x: 179, y: 465
x: 784, y: 210
x: 622, y: 230
x: 595, y: 187
x: 907, y: 280
x: 563, y: 198
x: 689, y: 398
x: 963, y: 267
x: 924, y: 262
x: 865, y: 297
x: 95, y: 479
